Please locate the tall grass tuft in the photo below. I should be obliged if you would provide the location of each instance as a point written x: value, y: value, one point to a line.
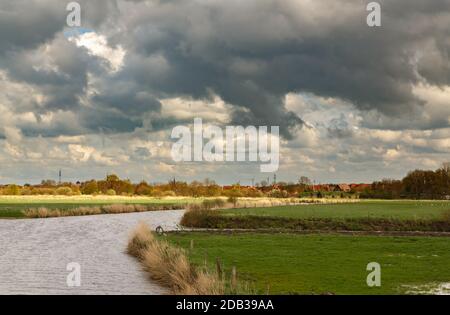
x: 170, y: 266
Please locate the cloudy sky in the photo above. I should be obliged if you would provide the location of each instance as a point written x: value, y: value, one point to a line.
x: 353, y: 103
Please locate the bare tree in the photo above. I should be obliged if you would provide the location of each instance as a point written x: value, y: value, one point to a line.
x: 304, y: 181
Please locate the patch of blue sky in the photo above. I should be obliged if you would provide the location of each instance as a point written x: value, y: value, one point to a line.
x: 77, y: 31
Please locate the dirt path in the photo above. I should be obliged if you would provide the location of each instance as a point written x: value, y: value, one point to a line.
x: 34, y: 254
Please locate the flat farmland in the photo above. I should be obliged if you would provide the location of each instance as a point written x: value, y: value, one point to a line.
x: 317, y: 264
x: 386, y: 209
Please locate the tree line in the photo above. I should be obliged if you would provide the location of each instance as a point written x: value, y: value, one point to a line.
x: 417, y: 184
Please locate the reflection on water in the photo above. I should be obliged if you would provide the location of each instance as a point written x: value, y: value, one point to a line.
x: 34, y: 254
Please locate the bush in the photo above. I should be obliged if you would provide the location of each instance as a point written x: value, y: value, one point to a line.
x: 111, y: 192
x: 12, y: 190
x: 209, y: 219
x: 66, y: 191
x: 201, y: 218
x: 168, y: 193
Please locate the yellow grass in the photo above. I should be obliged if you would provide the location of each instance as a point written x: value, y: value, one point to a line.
x: 95, y: 199
x: 170, y: 266
x: 43, y: 212
x: 145, y: 199
x: 91, y: 205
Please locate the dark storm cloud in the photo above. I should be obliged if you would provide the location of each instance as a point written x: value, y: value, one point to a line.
x: 251, y: 53
x: 63, y: 84
x: 25, y: 24
x: 99, y: 119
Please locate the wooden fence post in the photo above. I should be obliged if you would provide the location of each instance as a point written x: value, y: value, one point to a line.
x: 233, y: 278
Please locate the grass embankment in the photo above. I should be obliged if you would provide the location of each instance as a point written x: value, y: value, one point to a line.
x: 211, y: 219
x: 305, y: 264
x: 170, y: 266
x: 15, y: 206
x: 364, y: 216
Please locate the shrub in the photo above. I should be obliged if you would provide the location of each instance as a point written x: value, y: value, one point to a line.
x: 168, y: 193
x: 209, y: 219
x: 200, y: 218
x: 12, y: 190
x: 66, y: 191
x: 143, y: 189
x: 111, y: 192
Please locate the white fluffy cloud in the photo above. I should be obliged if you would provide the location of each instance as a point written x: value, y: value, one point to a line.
x: 352, y: 103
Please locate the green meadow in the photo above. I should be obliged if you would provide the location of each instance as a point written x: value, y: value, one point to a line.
x: 388, y: 209
x: 317, y: 264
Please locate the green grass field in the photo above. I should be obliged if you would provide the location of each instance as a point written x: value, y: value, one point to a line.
x: 12, y: 206
x: 307, y: 264
x: 397, y: 209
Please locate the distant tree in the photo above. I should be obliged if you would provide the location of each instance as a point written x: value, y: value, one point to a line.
x: 12, y: 190
x: 89, y: 188
x: 112, y: 178
x: 143, y: 189
x: 304, y: 180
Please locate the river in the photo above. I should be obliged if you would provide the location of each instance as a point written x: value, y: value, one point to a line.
x: 34, y: 254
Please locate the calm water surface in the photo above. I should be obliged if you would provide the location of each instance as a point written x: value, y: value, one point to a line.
x: 34, y: 254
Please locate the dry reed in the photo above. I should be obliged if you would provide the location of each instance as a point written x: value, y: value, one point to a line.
x: 43, y: 212
x: 170, y: 266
